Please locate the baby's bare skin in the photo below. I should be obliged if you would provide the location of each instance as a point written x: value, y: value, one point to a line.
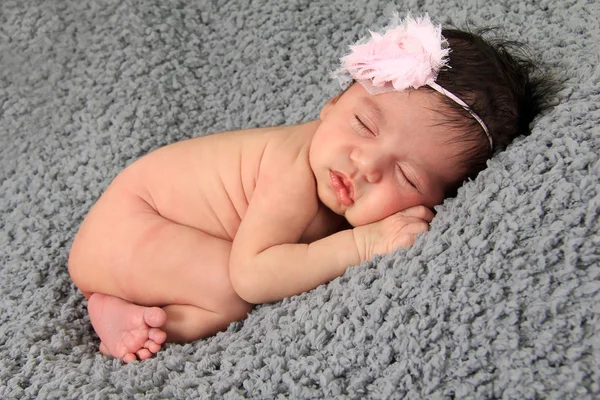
x: 186, y: 239
x: 173, y: 214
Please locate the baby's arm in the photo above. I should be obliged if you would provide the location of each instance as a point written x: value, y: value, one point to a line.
x: 267, y: 263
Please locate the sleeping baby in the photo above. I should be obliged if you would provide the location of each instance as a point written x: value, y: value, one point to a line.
x: 188, y: 238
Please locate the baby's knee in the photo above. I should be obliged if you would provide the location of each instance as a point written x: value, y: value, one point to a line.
x: 78, y: 267
x: 105, y: 241
x: 75, y: 263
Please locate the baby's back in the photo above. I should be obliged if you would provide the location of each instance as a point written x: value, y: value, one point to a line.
x: 206, y: 182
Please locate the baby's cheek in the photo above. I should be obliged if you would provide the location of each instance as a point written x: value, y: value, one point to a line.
x: 373, y: 211
x: 389, y: 206
x: 394, y: 201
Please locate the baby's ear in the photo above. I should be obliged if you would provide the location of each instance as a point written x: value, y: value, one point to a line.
x: 327, y: 107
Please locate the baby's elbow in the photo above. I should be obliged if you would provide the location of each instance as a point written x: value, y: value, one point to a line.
x: 243, y: 282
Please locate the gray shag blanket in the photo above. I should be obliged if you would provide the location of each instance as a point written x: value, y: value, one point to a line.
x: 501, y: 299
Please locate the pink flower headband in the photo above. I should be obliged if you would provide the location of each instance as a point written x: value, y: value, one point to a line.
x: 408, y: 55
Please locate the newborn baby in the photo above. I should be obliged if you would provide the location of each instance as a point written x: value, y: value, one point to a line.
x: 188, y: 238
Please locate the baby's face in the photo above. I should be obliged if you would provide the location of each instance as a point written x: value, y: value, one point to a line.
x: 373, y: 156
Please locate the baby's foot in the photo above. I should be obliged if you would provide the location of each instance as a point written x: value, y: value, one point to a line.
x: 127, y: 331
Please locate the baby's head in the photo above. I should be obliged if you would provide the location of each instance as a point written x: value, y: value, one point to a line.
x: 449, y: 99
x: 501, y: 86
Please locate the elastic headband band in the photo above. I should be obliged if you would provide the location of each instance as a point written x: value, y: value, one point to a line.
x: 464, y: 105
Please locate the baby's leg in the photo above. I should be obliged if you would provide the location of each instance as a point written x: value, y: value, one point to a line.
x: 180, y: 267
x: 127, y: 330
x: 189, y: 323
x: 125, y: 249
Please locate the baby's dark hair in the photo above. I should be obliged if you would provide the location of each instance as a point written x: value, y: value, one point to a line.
x: 500, y: 83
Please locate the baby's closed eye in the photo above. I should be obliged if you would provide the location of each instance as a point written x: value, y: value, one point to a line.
x: 362, y: 129
x: 403, y: 176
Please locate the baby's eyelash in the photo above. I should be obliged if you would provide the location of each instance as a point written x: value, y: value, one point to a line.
x: 362, y: 127
x: 401, y: 173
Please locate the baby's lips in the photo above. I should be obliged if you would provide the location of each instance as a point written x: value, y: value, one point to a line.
x: 349, y: 186
x: 343, y: 186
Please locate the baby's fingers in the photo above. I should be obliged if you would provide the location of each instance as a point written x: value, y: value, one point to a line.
x: 421, y: 212
x: 407, y: 238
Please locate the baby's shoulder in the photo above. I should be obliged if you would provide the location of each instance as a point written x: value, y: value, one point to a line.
x: 288, y: 145
x: 277, y: 141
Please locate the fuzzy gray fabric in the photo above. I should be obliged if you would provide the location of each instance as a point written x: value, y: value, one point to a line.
x: 499, y: 300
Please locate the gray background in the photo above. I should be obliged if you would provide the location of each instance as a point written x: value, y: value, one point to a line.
x: 498, y: 300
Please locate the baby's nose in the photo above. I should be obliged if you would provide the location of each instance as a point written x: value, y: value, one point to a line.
x: 369, y: 164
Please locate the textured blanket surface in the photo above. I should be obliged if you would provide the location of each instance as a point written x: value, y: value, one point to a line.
x: 501, y: 299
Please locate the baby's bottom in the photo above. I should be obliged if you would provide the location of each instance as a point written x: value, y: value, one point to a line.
x: 174, y: 282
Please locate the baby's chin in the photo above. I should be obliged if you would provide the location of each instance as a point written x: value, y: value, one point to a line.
x: 356, y: 218
x: 354, y: 221
x: 350, y: 221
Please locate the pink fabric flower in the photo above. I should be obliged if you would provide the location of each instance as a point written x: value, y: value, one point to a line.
x: 408, y: 54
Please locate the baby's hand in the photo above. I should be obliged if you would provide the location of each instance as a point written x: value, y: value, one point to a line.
x: 397, y: 230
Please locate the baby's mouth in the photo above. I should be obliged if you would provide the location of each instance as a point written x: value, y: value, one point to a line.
x: 343, y: 188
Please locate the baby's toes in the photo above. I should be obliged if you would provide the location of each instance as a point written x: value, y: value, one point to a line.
x: 144, y: 354
x: 157, y: 336
x: 129, y: 357
x: 155, y: 317
x: 152, y: 346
